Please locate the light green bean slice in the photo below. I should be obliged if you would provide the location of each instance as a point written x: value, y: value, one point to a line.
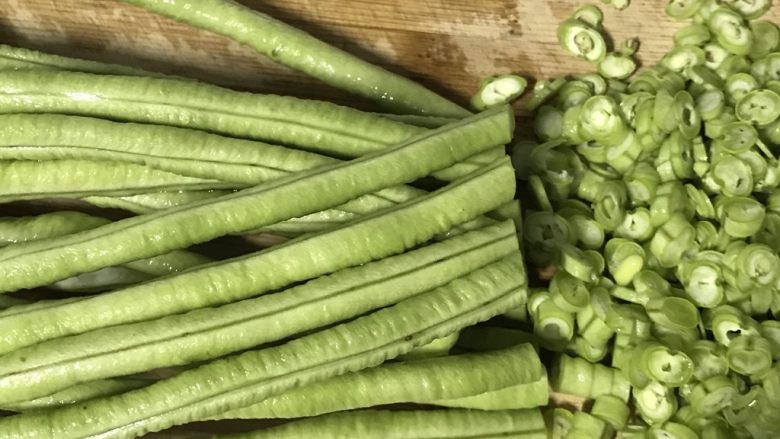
x: 683, y: 57
x: 498, y: 90
x: 589, y: 14
x: 617, y: 66
x: 760, y: 107
x: 681, y: 9
x: 256, y: 375
x: 710, y: 104
x: 423, y: 424
x: 177, y: 340
x: 714, y: 55
x: 421, y: 382
x: 145, y: 236
x: 370, y: 238
x: 766, y: 38
x: 694, y: 34
x: 300, y: 51
x: 731, y: 31
x: 750, y: 9
x: 740, y: 84
x: 581, y: 40
x: 655, y: 403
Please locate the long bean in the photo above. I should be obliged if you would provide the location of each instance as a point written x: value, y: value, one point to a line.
x: 154, y: 202
x: 422, y: 424
x: 421, y: 382
x: 276, y: 119
x: 23, y: 230
x: 8, y: 302
x: 14, y: 230
x: 178, y: 150
x: 370, y: 238
x: 178, y: 340
x: 147, y: 235
x: 519, y: 396
x: 316, y: 126
x: 25, y: 180
x: 79, y: 393
x: 181, y: 151
x: 299, y: 50
x: 250, y: 377
x: 18, y: 58
x: 102, y: 280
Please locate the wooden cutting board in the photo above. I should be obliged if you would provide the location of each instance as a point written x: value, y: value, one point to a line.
x: 448, y: 45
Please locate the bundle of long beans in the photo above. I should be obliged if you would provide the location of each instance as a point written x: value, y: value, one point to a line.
x: 651, y: 232
x: 357, y: 307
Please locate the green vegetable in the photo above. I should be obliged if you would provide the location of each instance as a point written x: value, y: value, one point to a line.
x: 673, y: 312
x: 28, y: 180
x: 749, y: 355
x: 578, y: 377
x: 364, y: 342
x: 709, y: 359
x: 422, y: 424
x: 552, y: 325
x: 189, y: 104
x: 617, y: 66
x: 662, y: 364
x: 672, y: 240
x: 14, y: 230
x: 624, y: 259
x: 544, y: 91
x: 498, y: 90
x: 581, y: 40
x: 673, y: 430
x: 437, y: 348
x: 300, y: 51
x: 694, y: 34
x: 585, y: 425
x: 589, y: 14
x: 424, y: 382
x: 655, y: 403
x: 178, y: 340
x: 147, y: 236
x: 80, y: 393
x: 730, y: 30
x: 379, y: 235
x: 18, y: 58
x: 568, y: 292
x: 712, y: 395
x: 153, y: 202
x: 681, y: 9
x: 612, y: 410
x: 760, y: 107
